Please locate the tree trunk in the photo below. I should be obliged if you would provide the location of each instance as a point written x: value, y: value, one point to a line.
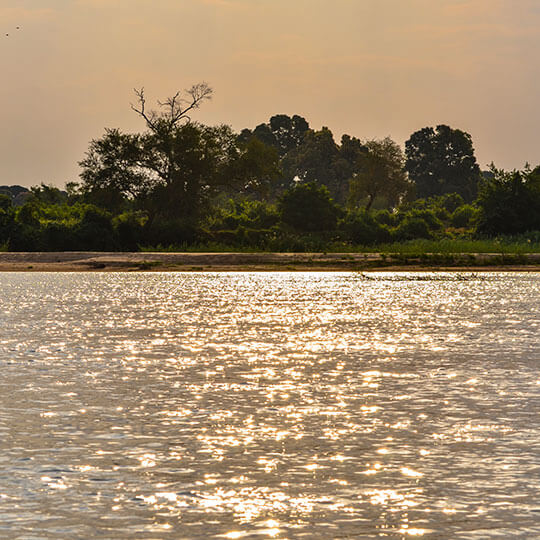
x: 370, y: 201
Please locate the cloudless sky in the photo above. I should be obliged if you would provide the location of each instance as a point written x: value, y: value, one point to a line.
x: 370, y: 68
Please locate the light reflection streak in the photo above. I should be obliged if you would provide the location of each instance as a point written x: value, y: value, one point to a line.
x: 264, y: 404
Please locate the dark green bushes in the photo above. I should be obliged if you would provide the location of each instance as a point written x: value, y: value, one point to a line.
x: 305, y: 218
x: 509, y: 203
x: 361, y: 227
x: 308, y: 208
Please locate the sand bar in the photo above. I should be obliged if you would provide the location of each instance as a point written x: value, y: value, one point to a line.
x: 74, y: 261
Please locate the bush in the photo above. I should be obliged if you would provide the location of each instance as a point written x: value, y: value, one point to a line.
x: 167, y: 232
x: 464, y: 216
x: 509, y: 203
x: 362, y: 228
x: 243, y: 213
x: 59, y: 237
x: 25, y: 238
x: 413, y: 227
x: 95, y: 231
x: 129, y: 230
x: 390, y: 219
x: 309, y: 208
x: 450, y: 202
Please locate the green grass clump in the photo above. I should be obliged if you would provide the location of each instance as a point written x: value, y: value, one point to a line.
x: 445, y: 246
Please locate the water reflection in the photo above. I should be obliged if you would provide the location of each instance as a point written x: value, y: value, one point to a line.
x: 269, y: 406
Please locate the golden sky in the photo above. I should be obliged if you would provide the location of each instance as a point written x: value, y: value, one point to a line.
x: 370, y: 68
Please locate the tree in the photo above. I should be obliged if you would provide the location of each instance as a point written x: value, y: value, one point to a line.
x: 282, y: 132
x: 7, y: 217
x: 379, y: 172
x: 257, y: 169
x: 115, y: 165
x: 509, y: 202
x: 442, y: 161
x: 49, y: 194
x: 171, y: 168
x: 308, y: 208
x: 315, y: 160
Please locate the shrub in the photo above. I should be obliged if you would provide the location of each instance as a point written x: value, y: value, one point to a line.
x: 95, y: 231
x: 464, y: 216
x: 129, y: 230
x: 413, y: 227
x: 309, y: 208
x: 362, y: 228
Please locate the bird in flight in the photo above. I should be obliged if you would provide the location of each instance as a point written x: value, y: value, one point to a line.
x: 16, y: 28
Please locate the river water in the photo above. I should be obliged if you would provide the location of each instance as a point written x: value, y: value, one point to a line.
x: 269, y: 406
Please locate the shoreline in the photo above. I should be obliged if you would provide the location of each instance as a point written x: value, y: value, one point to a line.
x: 265, y: 262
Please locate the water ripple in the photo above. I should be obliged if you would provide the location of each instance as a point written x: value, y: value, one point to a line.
x: 276, y: 405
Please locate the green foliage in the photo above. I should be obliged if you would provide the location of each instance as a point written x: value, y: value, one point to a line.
x: 464, y: 216
x: 7, y: 220
x: 278, y: 187
x: 308, y: 208
x: 62, y: 227
x: 170, y: 173
x: 257, y: 169
x: 244, y: 213
x: 509, y: 202
x: 170, y: 231
x: 114, y: 167
x: 318, y: 160
x: 412, y: 227
x: 282, y: 132
x: 450, y: 201
x: 390, y: 219
x: 48, y: 194
x: 28, y: 214
x: 95, y: 230
x: 5, y: 203
x: 363, y: 228
x: 129, y: 229
x: 442, y: 161
x: 378, y: 172
x: 242, y: 223
x: 58, y: 236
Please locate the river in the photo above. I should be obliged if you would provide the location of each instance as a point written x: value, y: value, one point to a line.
x: 269, y: 405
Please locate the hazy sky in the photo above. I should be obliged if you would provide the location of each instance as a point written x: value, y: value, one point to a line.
x: 370, y: 68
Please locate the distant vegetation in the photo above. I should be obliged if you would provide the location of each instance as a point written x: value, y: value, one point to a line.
x: 282, y: 186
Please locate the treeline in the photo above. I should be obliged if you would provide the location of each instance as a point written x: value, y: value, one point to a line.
x: 281, y: 186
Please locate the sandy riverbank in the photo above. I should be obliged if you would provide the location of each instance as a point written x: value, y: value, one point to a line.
x: 126, y: 262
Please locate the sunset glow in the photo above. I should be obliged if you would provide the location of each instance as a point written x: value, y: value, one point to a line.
x: 368, y: 68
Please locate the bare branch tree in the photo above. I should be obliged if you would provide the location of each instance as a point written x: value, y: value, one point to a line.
x: 174, y: 109
x: 141, y: 110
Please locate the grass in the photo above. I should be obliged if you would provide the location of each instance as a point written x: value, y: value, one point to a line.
x: 212, y: 247
x: 501, y: 246
x: 447, y: 247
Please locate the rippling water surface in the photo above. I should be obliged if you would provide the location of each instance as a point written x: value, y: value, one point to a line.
x: 269, y: 405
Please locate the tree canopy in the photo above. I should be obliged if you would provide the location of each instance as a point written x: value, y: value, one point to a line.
x: 282, y: 132
x: 379, y: 172
x: 509, y: 202
x: 442, y: 160
x: 279, y: 186
x: 172, y: 167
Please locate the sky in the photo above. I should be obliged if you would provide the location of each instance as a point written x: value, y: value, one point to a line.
x: 369, y: 68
